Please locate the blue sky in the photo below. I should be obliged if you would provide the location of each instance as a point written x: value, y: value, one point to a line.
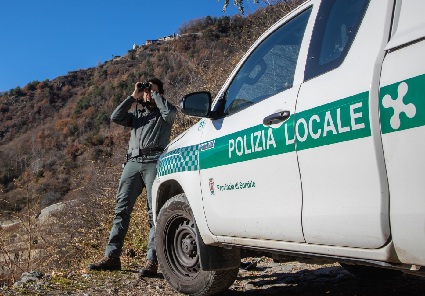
x: 44, y: 39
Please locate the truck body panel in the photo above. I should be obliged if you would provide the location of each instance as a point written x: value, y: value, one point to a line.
x: 318, y: 149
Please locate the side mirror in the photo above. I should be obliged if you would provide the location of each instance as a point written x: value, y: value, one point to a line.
x: 196, y: 104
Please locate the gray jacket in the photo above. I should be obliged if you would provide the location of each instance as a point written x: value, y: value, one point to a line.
x: 150, y: 129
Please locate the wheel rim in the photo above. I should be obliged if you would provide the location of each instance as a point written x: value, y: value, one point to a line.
x: 182, y: 249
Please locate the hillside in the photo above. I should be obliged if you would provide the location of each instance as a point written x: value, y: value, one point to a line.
x: 57, y: 144
x: 50, y: 129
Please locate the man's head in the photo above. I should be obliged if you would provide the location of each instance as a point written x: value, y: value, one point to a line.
x: 159, y: 83
x: 156, y: 85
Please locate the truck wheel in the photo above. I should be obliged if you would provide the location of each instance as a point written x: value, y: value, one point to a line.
x: 177, y: 252
x: 370, y: 272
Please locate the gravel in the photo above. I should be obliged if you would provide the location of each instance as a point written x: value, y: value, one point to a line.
x: 266, y: 278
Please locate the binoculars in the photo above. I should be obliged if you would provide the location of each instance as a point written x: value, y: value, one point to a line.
x: 144, y: 85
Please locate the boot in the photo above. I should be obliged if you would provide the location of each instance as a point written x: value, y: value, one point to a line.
x: 106, y: 263
x: 150, y: 269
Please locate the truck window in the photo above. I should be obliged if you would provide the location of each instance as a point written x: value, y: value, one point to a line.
x: 334, y: 31
x: 270, y: 68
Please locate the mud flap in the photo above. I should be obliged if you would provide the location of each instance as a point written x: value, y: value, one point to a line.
x: 217, y: 258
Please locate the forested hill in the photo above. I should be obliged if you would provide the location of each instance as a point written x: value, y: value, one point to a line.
x: 51, y: 130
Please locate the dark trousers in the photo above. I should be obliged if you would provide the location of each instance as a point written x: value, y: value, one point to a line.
x: 135, y: 176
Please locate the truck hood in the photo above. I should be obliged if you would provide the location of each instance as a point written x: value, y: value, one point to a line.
x: 187, y: 138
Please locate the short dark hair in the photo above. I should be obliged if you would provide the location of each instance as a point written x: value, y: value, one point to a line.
x: 158, y: 82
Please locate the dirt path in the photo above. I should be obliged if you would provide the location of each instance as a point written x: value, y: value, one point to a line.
x: 267, y: 278
x: 304, y: 279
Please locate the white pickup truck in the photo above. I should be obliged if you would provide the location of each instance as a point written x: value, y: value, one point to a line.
x: 313, y: 148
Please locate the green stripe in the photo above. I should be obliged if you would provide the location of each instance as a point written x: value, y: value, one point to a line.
x: 252, y: 143
x: 339, y: 121
x: 336, y: 122
x: 343, y: 120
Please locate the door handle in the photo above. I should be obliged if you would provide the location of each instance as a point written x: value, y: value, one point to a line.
x: 276, y: 118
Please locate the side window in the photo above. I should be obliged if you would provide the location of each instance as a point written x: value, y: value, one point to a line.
x: 270, y: 68
x: 336, y: 26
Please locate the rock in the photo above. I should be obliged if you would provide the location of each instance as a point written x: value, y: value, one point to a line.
x: 46, y: 212
x: 31, y: 276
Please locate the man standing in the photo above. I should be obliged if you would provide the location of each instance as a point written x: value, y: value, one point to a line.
x: 150, y: 134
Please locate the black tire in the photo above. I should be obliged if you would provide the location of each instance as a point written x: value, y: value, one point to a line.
x: 371, y: 273
x: 177, y: 252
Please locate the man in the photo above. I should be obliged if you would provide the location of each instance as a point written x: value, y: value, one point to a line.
x: 150, y: 134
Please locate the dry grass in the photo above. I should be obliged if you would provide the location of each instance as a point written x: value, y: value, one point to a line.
x: 76, y: 234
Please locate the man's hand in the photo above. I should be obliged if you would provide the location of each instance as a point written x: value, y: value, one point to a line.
x: 137, y: 93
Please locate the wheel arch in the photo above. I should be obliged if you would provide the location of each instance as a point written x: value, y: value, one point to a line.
x: 211, y: 257
x: 166, y: 190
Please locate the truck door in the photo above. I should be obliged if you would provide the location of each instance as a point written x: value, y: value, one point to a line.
x: 402, y: 112
x: 345, y: 191
x: 249, y: 172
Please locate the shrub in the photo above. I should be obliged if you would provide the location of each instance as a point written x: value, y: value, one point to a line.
x: 83, y: 104
x: 16, y: 91
x: 94, y: 139
x: 101, y: 119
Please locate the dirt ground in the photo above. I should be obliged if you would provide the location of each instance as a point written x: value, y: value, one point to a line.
x: 267, y: 278
x: 305, y: 279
